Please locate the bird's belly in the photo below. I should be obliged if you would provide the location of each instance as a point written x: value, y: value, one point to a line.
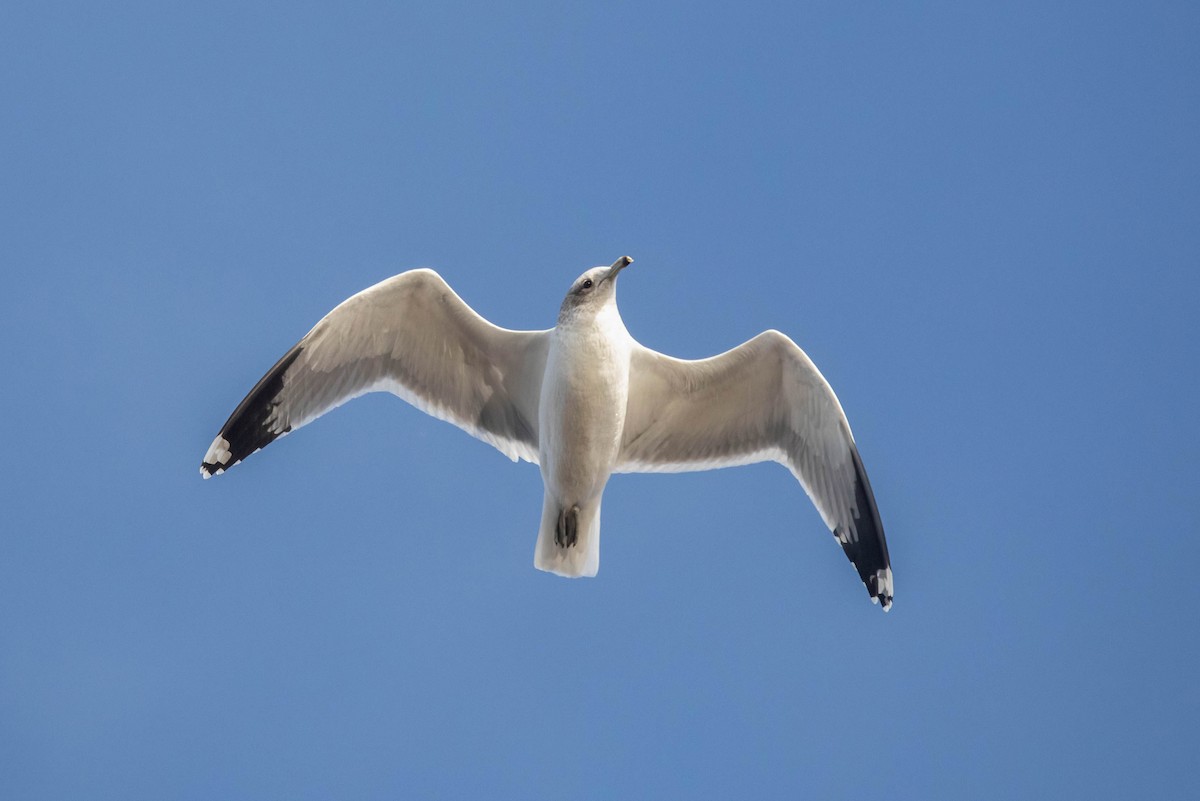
x: 582, y: 416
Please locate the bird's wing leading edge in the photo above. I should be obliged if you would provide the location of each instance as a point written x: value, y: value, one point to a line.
x: 410, y: 335
x: 763, y: 400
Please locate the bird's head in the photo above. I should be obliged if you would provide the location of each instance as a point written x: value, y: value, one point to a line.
x: 593, y: 291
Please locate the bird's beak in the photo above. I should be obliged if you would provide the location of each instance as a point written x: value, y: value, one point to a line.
x: 617, y: 266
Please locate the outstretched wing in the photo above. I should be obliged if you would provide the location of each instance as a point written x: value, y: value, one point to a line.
x: 410, y: 335
x: 763, y: 400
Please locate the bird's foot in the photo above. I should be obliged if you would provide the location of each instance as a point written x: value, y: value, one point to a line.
x: 566, y: 532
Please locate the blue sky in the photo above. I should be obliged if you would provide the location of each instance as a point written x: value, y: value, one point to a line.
x: 980, y: 220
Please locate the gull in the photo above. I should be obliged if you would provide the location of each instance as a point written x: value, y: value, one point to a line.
x: 582, y: 400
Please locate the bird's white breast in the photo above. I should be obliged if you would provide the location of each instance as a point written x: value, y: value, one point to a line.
x: 582, y: 410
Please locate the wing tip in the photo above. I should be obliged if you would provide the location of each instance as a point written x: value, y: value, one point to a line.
x: 217, y: 458
x: 208, y: 470
x: 252, y: 425
x: 864, y: 541
x: 880, y: 588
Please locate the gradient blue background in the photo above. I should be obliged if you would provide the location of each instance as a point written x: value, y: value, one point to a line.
x: 980, y: 222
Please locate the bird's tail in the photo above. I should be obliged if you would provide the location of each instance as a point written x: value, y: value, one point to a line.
x: 569, y: 540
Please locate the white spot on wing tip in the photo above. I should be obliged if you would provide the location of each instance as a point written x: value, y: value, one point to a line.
x: 883, y: 586
x: 218, y: 452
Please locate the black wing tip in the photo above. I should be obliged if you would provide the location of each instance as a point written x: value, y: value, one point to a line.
x: 250, y: 427
x: 872, y: 566
x: 867, y: 547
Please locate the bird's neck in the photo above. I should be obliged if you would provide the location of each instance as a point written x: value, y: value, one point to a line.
x: 599, y: 340
x: 604, y: 322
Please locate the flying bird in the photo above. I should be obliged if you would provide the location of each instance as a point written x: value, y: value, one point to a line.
x: 582, y: 400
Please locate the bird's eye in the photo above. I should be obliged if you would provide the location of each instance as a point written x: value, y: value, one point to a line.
x: 587, y: 283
